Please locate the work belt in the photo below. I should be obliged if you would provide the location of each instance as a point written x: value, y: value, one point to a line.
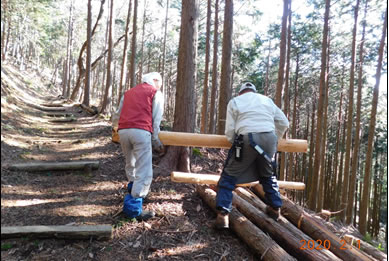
x: 262, y: 153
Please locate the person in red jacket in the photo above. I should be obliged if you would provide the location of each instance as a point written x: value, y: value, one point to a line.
x: 141, y: 110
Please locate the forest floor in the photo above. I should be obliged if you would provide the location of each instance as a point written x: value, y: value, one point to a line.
x: 181, y: 230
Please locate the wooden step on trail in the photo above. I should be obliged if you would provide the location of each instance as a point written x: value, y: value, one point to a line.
x: 212, y: 179
x: 99, y: 232
x: 63, y: 120
x: 58, y: 114
x: 66, y: 165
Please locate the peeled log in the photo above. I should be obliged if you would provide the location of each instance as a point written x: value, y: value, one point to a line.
x: 283, y: 232
x: 259, y: 242
x: 309, y: 226
x: 220, y: 141
x: 99, y: 232
x: 44, y: 166
x: 211, y: 179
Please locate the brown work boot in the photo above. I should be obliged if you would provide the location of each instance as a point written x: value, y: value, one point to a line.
x: 221, y: 221
x: 274, y: 213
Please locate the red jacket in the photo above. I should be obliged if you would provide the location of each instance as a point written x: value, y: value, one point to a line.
x: 138, y: 107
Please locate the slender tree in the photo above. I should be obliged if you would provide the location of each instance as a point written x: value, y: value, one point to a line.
x: 353, y: 178
x: 319, y: 129
x: 212, y: 105
x: 281, y: 68
x: 80, y: 63
x: 133, y: 46
x: 204, y: 106
x: 88, y: 55
x: 124, y: 58
x: 164, y: 50
x: 108, y: 83
x: 225, y: 77
x: 347, y: 161
x: 372, y: 124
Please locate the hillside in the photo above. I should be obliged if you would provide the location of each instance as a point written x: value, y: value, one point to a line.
x: 32, y: 132
x: 181, y: 231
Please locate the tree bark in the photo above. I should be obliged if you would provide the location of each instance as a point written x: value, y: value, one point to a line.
x: 281, y: 68
x: 259, y: 242
x: 81, y: 69
x: 305, y: 222
x: 369, y: 153
x: 108, y: 83
x: 163, y: 90
x: 319, y: 129
x: 353, y: 178
x: 184, y: 116
x: 204, y: 106
x: 225, y: 77
x: 212, y: 105
x: 347, y: 161
x: 323, y: 145
x: 44, y: 166
x: 124, y: 58
x: 88, y: 56
x: 133, y: 46
x: 99, y: 232
x: 283, y: 232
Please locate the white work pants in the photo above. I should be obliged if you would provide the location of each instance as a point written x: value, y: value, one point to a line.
x: 136, y: 146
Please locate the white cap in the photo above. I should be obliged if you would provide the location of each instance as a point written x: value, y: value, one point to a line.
x: 150, y: 77
x: 247, y: 85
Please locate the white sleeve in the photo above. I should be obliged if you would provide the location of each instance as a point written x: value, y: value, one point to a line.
x: 230, y: 121
x: 116, y: 114
x: 157, y: 112
x: 281, y: 122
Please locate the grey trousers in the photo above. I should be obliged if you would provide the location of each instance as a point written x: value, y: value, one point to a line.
x: 136, y: 146
x: 252, y: 166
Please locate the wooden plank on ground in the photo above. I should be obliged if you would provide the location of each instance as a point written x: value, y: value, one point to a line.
x: 44, y: 166
x: 99, y: 232
x: 63, y: 120
x: 58, y: 114
x: 220, y: 141
x: 212, y: 179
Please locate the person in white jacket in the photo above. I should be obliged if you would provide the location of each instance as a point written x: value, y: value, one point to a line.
x: 253, y: 125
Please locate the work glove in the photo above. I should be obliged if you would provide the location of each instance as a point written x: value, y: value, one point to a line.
x: 157, y: 145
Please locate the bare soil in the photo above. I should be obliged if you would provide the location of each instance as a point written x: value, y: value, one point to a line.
x: 182, y: 229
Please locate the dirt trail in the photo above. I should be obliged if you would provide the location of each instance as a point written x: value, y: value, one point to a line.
x: 181, y: 231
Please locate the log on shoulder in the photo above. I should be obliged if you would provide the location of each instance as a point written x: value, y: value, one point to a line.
x: 309, y: 226
x: 212, y: 179
x: 256, y: 239
x: 44, y: 166
x: 220, y: 141
x: 99, y: 232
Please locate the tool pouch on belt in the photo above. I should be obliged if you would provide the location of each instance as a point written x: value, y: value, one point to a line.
x: 238, y: 144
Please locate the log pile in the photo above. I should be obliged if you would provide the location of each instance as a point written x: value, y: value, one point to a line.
x: 297, y: 235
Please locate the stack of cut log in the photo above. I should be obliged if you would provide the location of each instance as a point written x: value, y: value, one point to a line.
x: 297, y: 235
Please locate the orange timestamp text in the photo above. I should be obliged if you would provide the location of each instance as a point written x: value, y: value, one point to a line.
x: 326, y: 244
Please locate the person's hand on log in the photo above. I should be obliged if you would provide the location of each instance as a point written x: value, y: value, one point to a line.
x: 157, y: 146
